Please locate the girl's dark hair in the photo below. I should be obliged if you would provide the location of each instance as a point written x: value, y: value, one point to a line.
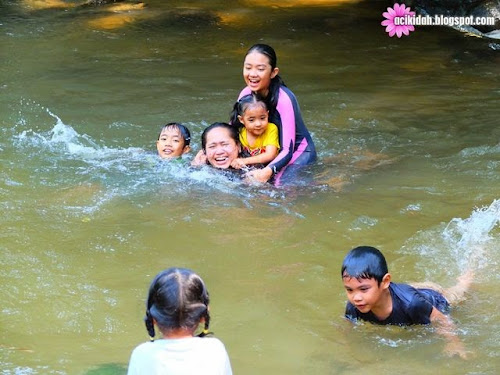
x: 276, y: 82
x: 185, y: 133
x: 177, y: 299
x: 364, y: 262
x: 241, y: 106
x: 233, y: 133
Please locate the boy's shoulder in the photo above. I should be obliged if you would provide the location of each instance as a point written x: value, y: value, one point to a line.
x: 409, y: 306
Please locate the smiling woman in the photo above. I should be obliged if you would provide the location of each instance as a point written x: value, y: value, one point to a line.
x: 220, y: 144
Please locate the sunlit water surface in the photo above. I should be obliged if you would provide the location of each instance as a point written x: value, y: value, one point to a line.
x: 409, y: 161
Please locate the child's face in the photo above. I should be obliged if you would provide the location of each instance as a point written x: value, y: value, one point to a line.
x: 364, y: 294
x: 255, y: 119
x: 220, y: 148
x: 171, y: 144
x: 257, y: 72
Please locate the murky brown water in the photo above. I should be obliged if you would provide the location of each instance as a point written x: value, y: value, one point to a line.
x: 409, y: 144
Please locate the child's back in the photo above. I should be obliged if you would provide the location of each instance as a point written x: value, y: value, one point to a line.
x: 186, y: 356
x: 177, y: 304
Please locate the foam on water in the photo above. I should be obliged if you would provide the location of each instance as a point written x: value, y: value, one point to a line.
x: 132, y: 173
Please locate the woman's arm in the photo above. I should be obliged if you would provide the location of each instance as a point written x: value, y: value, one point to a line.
x: 287, y: 131
x: 260, y: 175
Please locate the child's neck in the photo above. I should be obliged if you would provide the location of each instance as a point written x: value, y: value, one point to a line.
x: 251, y: 138
x: 178, y: 333
x: 384, y: 305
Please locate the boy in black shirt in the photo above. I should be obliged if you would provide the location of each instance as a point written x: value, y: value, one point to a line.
x: 374, y: 298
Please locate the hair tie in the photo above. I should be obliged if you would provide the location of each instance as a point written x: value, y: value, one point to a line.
x: 205, y: 332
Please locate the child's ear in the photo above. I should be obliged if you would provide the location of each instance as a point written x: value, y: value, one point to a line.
x: 275, y: 72
x: 386, y: 280
x: 240, y: 118
x: 186, y: 149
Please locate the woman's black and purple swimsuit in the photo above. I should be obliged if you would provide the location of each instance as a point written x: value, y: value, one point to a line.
x: 297, y: 147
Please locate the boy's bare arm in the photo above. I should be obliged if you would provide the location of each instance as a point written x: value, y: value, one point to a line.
x: 446, y: 328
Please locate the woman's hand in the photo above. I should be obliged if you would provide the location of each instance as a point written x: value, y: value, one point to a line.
x: 199, y: 159
x: 260, y: 175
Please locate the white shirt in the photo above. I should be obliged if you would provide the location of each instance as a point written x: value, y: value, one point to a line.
x: 186, y: 356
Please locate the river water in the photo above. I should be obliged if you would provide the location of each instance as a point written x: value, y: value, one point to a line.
x: 408, y: 137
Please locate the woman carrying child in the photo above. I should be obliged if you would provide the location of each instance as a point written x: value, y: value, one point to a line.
x: 177, y: 304
x: 261, y: 77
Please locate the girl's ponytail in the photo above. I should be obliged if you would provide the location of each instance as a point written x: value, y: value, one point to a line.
x: 274, y: 93
x: 207, y: 324
x: 233, y: 118
x: 150, y: 327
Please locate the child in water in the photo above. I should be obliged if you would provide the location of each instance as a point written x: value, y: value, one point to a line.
x: 173, y: 141
x: 374, y: 298
x: 177, y: 304
x: 258, y: 137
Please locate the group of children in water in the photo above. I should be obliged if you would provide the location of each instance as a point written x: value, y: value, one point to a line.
x: 254, y: 140
x: 265, y: 135
x: 178, y: 304
x: 266, y: 132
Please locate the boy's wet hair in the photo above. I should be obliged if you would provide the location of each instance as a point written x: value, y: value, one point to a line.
x: 364, y: 262
x: 233, y: 133
x: 185, y: 133
x: 177, y: 299
x: 243, y: 104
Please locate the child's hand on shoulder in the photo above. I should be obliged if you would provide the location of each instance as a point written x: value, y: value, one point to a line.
x: 238, y: 163
x: 199, y: 159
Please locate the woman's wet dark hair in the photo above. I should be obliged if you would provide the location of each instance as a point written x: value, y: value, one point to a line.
x: 364, y: 262
x: 233, y: 133
x: 276, y: 82
x: 177, y: 299
x: 182, y: 129
x: 241, y: 106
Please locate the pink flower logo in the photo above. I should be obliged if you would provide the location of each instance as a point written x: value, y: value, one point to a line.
x: 397, y: 27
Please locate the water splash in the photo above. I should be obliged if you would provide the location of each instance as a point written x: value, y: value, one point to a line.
x: 454, y: 247
x: 63, y: 139
x: 89, y: 175
x: 465, y: 233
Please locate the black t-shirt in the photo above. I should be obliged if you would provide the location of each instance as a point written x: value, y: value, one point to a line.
x: 409, y: 306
